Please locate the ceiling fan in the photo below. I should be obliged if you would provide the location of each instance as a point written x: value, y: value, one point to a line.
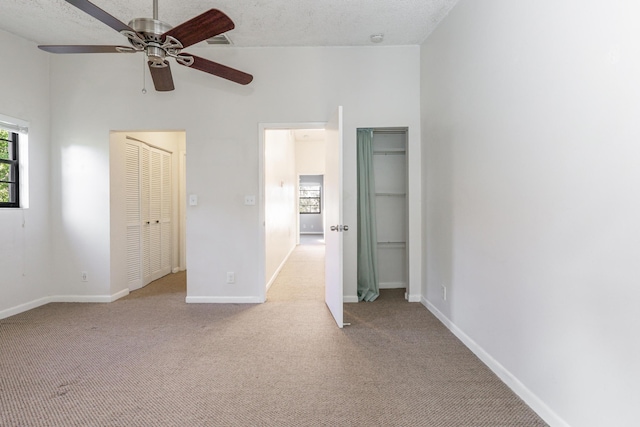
x: 159, y: 40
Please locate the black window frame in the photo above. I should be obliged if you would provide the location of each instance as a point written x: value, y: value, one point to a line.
x: 14, y: 165
x: 304, y: 187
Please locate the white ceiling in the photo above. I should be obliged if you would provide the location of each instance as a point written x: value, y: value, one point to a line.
x: 308, y: 135
x: 258, y: 22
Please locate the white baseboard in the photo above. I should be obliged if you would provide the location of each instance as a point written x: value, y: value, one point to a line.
x: 350, y: 298
x: 392, y: 285
x: 121, y: 294
x: 275, y: 275
x: 415, y: 298
x: 175, y: 270
x: 531, y: 399
x: 223, y: 300
x: 90, y: 298
x: 23, y: 307
x: 62, y: 298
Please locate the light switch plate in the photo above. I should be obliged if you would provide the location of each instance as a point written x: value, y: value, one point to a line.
x: 249, y: 200
x: 193, y: 199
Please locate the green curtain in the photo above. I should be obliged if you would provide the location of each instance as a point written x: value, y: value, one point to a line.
x: 368, y: 288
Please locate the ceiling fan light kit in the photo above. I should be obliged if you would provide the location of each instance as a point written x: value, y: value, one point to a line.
x: 158, y: 40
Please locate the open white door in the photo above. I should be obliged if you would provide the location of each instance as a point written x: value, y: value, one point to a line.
x: 333, y: 233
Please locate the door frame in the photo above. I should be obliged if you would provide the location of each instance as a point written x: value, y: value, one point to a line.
x: 262, y: 127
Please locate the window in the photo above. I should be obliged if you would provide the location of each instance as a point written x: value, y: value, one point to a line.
x: 310, y: 199
x: 9, y: 177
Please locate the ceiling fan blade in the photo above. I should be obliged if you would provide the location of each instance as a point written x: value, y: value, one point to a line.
x: 85, y: 49
x: 220, y: 70
x: 100, y: 14
x: 204, y: 26
x: 162, y: 79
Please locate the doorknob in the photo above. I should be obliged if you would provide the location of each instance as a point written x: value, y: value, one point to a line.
x: 345, y: 228
x: 334, y: 228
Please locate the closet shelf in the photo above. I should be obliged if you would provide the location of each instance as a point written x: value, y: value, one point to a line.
x: 391, y: 194
x: 392, y: 243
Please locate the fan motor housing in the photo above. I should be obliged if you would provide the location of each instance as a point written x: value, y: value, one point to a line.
x: 152, y: 31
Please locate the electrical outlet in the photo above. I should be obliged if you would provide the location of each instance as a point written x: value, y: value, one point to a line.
x: 84, y: 276
x: 444, y: 292
x: 231, y: 277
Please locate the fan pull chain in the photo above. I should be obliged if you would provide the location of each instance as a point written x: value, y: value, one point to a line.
x: 144, y: 75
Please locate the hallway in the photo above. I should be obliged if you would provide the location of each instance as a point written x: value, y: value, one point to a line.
x: 302, y: 277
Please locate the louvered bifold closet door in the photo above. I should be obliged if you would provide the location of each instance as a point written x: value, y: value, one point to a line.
x: 145, y: 196
x: 133, y: 216
x: 155, y: 212
x: 165, y: 217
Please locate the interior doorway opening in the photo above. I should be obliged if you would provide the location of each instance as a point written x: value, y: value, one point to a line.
x: 331, y: 152
x: 294, y: 162
x: 382, y: 211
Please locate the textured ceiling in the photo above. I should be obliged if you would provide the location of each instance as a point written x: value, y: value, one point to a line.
x: 258, y: 22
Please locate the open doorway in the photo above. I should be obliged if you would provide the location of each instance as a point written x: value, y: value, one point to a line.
x: 294, y: 162
x: 272, y: 168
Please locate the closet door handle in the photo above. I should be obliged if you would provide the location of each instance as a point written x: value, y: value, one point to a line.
x: 148, y: 222
x: 157, y: 221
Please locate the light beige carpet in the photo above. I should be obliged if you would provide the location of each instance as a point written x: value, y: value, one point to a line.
x: 151, y: 360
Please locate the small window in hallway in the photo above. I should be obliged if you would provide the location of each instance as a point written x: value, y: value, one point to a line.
x: 310, y: 198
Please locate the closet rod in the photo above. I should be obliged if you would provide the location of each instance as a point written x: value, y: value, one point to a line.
x: 390, y: 130
x: 390, y: 152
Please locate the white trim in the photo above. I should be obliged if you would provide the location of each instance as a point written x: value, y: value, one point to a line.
x: 350, y: 299
x: 530, y: 398
x: 90, y: 298
x: 62, y: 298
x: 392, y: 285
x: 13, y: 124
x: 275, y: 275
x: 121, y: 294
x: 224, y: 300
x: 23, y: 307
x: 415, y: 298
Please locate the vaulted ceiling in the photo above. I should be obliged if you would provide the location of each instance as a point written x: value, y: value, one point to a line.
x: 259, y: 23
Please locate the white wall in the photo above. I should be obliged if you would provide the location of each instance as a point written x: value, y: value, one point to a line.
x: 530, y: 120
x: 376, y: 86
x: 310, y: 157
x: 280, y: 199
x: 26, y: 279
